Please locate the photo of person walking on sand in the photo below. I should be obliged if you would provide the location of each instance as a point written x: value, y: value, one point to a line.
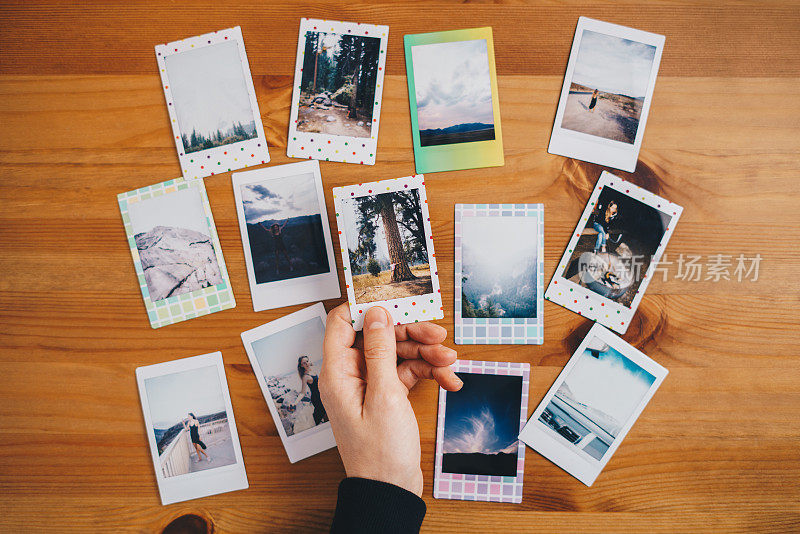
x: 593, y: 103
x: 277, y: 242
x: 193, y: 426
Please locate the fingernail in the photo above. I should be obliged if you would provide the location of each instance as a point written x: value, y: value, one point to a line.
x: 376, y: 318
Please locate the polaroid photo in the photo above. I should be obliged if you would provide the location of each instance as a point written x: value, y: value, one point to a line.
x: 613, y: 252
x: 387, y: 252
x: 452, y: 93
x: 286, y: 355
x: 338, y: 87
x: 593, y: 404
x: 176, y: 251
x: 478, y: 454
x: 212, y: 103
x: 499, y: 274
x: 606, y: 94
x: 285, y: 235
x: 190, y: 428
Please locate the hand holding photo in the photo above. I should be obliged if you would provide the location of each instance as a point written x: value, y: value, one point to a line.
x: 212, y: 104
x: 478, y: 455
x: 593, y: 404
x: 176, y: 251
x: 286, y: 356
x: 190, y: 428
x: 499, y: 276
x: 452, y: 87
x: 337, y: 91
x: 613, y: 252
x: 285, y: 235
x: 606, y: 94
x: 387, y: 249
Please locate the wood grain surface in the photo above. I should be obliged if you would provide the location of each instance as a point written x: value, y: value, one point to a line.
x: 82, y: 118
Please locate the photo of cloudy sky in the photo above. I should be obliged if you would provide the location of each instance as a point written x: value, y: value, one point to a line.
x: 280, y: 198
x: 613, y: 64
x: 452, y: 84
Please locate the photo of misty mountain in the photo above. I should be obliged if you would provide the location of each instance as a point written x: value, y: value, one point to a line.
x: 481, y: 424
x: 175, y: 249
x: 284, y: 228
x: 608, y: 86
x: 210, y: 96
x: 453, y: 90
x: 597, y: 398
x: 499, y: 267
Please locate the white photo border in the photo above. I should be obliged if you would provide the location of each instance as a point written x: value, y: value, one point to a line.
x: 202, y: 483
x: 291, y: 291
x: 313, y: 440
x: 186, y: 305
x: 586, y: 302
x: 403, y: 310
x: 469, y: 487
x: 342, y: 148
x: 546, y: 442
x: 591, y: 148
x: 223, y: 158
x: 499, y: 331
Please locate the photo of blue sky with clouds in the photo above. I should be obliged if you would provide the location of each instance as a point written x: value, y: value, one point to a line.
x: 613, y: 64
x: 452, y: 84
x: 483, y: 417
x: 280, y: 198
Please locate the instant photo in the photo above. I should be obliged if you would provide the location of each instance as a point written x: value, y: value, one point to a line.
x: 613, y: 252
x: 499, y: 273
x: 338, y: 87
x: 593, y: 404
x: 211, y: 103
x: 286, y: 356
x: 176, y: 251
x: 452, y: 88
x: 478, y: 454
x: 190, y: 428
x: 387, y: 249
x: 285, y: 235
x: 606, y: 94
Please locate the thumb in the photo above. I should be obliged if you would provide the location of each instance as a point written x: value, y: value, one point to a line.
x: 380, y: 348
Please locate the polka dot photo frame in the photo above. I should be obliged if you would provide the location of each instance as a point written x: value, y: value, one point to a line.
x: 386, y: 245
x: 338, y: 88
x: 613, y: 252
x: 176, y: 251
x: 216, y: 124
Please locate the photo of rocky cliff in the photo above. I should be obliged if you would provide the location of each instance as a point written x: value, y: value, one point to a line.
x: 177, y: 261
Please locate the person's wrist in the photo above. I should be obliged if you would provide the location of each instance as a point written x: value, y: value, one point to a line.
x: 410, y: 481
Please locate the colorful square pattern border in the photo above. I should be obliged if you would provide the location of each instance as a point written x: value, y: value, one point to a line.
x: 500, y: 331
x: 188, y: 305
x: 482, y: 487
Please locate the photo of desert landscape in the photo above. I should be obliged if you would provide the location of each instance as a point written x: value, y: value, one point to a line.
x: 387, y: 247
x: 337, y: 90
x: 608, y: 87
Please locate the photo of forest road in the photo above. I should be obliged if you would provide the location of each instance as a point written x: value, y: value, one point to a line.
x: 211, y: 97
x: 337, y: 89
x: 608, y: 87
x: 499, y: 267
x: 284, y: 228
x: 390, y: 258
x: 616, y: 246
x: 453, y: 88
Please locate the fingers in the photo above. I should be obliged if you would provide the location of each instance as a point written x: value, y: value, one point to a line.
x: 427, y: 333
x: 437, y: 355
x: 339, y: 334
x: 412, y: 371
x: 380, y: 352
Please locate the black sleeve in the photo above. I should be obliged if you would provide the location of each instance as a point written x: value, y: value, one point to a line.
x: 367, y: 506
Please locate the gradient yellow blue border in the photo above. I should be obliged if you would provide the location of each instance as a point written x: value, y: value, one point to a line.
x: 461, y: 155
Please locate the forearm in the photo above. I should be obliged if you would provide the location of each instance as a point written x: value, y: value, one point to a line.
x: 366, y: 506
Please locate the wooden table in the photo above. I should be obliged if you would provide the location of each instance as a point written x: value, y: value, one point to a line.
x: 82, y: 118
